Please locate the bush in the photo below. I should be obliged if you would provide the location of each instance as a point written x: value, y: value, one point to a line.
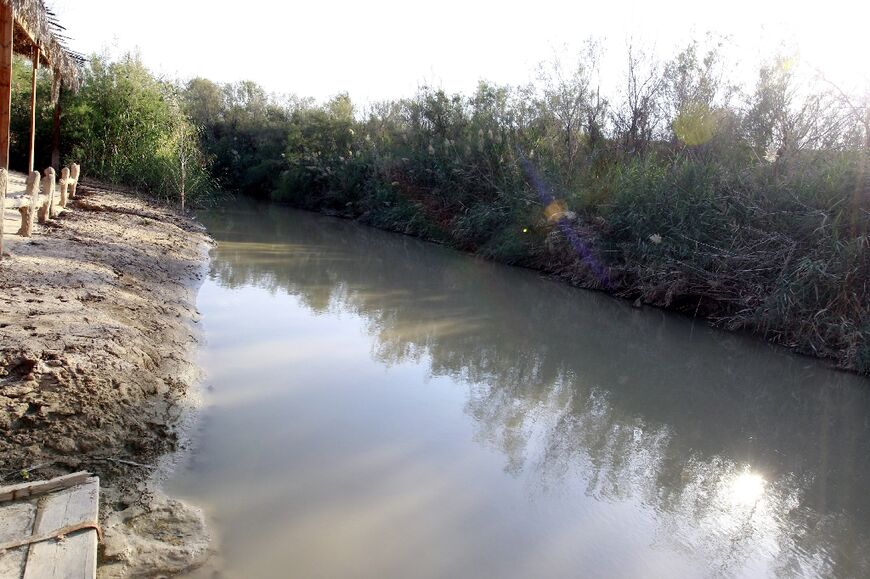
x: 752, y: 210
x: 124, y: 126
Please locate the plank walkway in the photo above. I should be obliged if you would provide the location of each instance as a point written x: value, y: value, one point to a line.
x: 49, y: 529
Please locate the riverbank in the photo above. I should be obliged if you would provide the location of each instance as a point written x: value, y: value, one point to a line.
x: 806, y: 296
x: 98, y: 335
x: 703, y: 219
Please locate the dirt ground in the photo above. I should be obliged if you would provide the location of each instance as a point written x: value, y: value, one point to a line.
x: 98, y: 339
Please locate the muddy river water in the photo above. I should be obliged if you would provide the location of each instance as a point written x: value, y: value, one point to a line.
x: 380, y: 407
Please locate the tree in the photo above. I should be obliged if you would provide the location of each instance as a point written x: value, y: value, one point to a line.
x: 637, y: 118
x: 693, y: 87
x: 130, y: 127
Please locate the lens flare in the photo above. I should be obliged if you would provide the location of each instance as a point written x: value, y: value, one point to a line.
x: 555, y: 213
x: 696, y: 124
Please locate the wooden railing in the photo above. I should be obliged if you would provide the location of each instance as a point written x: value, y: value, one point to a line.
x: 38, y: 203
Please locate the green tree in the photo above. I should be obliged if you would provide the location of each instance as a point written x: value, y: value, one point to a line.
x: 125, y: 126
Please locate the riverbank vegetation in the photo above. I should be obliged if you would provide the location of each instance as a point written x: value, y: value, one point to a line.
x: 126, y: 125
x: 748, y: 205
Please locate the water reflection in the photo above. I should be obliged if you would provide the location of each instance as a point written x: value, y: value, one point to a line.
x: 739, y: 457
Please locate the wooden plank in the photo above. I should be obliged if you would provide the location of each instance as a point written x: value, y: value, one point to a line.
x: 7, y: 24
x: 22, y: 201
x: 16, y: 520
x: 75, y: 556
x: 18, y: 202
x: 35, y: 489
x: 31, y: 160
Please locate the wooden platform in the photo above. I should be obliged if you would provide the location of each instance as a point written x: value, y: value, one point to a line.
x: 49, y: 529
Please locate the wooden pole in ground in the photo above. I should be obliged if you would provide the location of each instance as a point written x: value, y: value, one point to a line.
x: 44, y: 211
x: 30, y: 162
x: 64, y: 186
x: 55, y: 131
x: 74, y: 174
x: 3, y: 180
x: 48, y: 186
x: 7, y: 24
x: 28, y: 212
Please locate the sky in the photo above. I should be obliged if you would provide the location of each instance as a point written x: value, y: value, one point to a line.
x: 383, y: 49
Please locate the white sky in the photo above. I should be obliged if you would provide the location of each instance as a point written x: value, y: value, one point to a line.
x: 384, y: 49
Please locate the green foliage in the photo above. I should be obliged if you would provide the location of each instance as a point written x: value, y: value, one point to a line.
x: 125, y: 126
x: 750, y: 209
x: 19, y: 145
x: 242, y: 131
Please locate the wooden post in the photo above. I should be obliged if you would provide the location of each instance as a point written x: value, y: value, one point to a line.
x: 55, y: 131
x: 43, y: 212
x: 7, y: 24
x: 48, y: 187
x: 3, y: 180
x: 64, y: 185
x: 28, y: 212
x: 30, y: 162
x: 74, y: 174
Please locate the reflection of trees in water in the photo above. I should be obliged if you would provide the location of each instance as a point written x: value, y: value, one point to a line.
x: 573, y: 386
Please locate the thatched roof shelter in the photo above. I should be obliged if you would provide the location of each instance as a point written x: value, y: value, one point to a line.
x: 35, y: 25
x: 27, y: 27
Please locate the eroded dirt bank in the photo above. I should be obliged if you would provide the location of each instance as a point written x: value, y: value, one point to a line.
x: 98, y: 336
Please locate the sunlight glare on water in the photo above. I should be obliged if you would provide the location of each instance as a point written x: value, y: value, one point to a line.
x: 747, y: 488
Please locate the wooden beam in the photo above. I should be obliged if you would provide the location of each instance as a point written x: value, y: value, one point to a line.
x: 25, y: 31
x: 55, y: 131
x: 7, y: 24
x: 30, y: 161
x: 22, y: 29
x: 76, y: 554
x: 35, y: 489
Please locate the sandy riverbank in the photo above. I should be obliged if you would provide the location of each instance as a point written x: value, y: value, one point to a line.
x: 98, y: 336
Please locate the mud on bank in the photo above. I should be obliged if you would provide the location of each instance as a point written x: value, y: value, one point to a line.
x: 98, y: 331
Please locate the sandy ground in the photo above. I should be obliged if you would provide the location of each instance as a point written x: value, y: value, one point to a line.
x: 98, y: 337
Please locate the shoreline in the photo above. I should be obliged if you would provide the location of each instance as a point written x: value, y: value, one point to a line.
x: 559, y: 266
x: 99, y: 370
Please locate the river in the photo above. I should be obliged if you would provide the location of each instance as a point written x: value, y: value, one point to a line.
x: 380, y: 407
